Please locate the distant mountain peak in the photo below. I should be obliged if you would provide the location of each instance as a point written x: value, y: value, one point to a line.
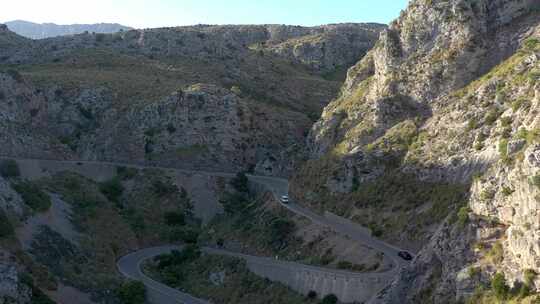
x: 47, y: 30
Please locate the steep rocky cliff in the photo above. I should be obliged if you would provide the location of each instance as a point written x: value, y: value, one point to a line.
x: 440, y: 119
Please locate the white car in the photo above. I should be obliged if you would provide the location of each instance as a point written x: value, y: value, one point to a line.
x: 285, y: 199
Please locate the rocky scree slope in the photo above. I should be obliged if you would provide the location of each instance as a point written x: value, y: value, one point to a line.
x: 446, y: 103
x: 205, y: 96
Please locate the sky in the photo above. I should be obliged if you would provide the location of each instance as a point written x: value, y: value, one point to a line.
x: 160, y: 13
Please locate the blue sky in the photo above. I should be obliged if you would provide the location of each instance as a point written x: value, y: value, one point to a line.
x: 156, y: 13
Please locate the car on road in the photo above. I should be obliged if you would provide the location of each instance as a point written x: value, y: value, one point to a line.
x: 285, y: 199
x: 405, y: 255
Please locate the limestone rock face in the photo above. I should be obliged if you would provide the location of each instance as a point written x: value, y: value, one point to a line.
x: 450, y: 92
x: 328, y: 47
x: 23, y: 120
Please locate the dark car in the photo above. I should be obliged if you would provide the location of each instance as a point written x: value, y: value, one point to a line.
x: 405, y: 255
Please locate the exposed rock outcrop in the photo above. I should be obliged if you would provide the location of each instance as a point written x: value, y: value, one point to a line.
x: 449, y: 93
x: 322, y: 48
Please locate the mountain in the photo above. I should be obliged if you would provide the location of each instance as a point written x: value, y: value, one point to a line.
x: 221, y: 97
x: 46, y: 30
x: 434, y: 144
x: 424, y: 133
x: 207, y: 98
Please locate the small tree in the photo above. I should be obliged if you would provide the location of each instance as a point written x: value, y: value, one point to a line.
x: 132, y: 292
x: 463, y: 216
x: 5, y: 225
x: 112, y: 189
x: 312, y: 295
x: 240, y: 182
x: 9, y: 168
x: 33, y: 196
x: 498, y: 284
x: 329, y: 299
x: 174, y: 218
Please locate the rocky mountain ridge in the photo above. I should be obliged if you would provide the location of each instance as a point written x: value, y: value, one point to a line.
x: 322, y: 48
x: 219, y: 97
x: 46, y: 30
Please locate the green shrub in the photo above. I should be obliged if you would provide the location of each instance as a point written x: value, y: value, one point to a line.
x: 126, y: 173
x: 492, y: 116
x: 234, y: 203
x: 171, y: 128
x: 174, y: 218
x: 498, y: 284
x: 531, y: 44
x: 240, y: 182
x: 474, y: 271
x: 517, y: 104
x: 33, y: 196
x: 100, y: 37
x: 9, y: 168
x: 177, y: 258
x: 496, y: 253
x: 487, y: 194
x: 463, y: 216
x: 507, y: 191
x: 529, y: 275
x: 312, y: 295
x: 132, y: 292
x: 38, y: 297
x: 503, y: 148
x: 187, y: 235
x: 472, y: 124
x: 344, y: 265
x: 162, y: 188
x: 329, y: 299
x: 535, y: 180
x: 280, y: 229
x: 112, y: 189
x: 6, y: 229
x: 506, y: 121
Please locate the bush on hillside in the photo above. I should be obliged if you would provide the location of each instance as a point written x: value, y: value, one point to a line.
x: 132, y: 292
x: 463, y: 216
x: 6, y: 229
x: 329, y: 299
x: 498, y: 284
x: 9, y: 168
x: 240, y: 182
x: 33, y: 196
x: 112, y: 189
x: 174, y: 218
x: 162, y: 188
x: 126, y: 173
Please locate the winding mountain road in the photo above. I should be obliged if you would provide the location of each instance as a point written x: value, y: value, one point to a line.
x: 297, y: 276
